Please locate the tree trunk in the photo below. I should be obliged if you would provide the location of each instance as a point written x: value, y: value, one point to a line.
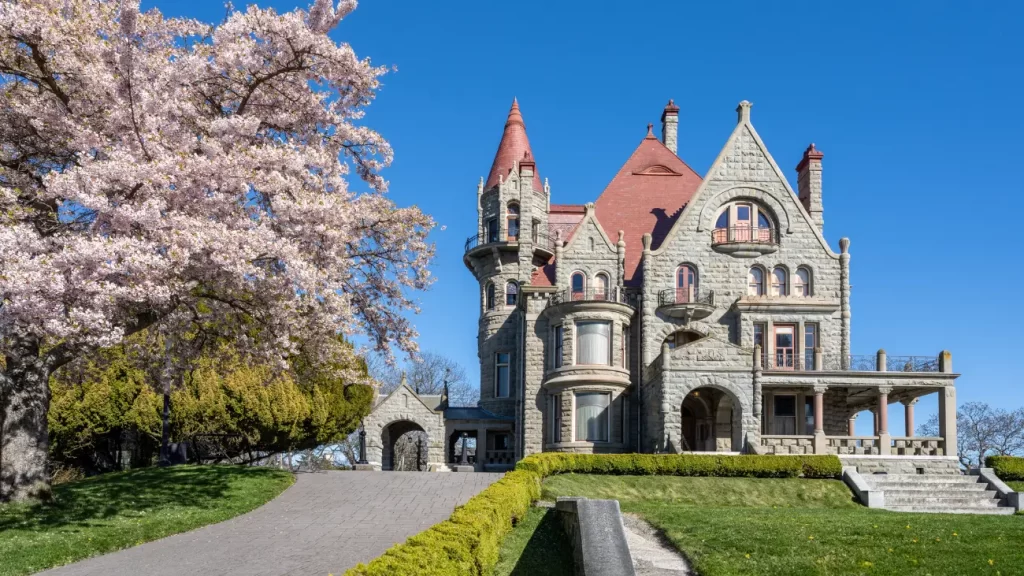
x: 24, y: 440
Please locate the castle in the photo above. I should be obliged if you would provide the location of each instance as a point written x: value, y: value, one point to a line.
x: 675, y: 313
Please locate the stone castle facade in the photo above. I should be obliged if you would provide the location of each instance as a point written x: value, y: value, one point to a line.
x: 675, y: 313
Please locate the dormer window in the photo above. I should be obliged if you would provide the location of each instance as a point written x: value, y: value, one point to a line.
x: 513, y: 222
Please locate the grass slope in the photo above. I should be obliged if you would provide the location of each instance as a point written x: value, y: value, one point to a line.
x: 115, y: 511
x: 537, y: 546
x: 734, y: 526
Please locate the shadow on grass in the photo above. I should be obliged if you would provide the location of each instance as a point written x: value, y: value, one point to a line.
x: 548, y: 552
x: 135, y: 492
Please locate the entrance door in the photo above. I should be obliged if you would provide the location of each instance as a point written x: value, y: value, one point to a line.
x: 785, y: 347
x: 742, y: 222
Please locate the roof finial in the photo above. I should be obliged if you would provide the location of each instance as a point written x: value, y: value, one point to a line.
x: 650, y: 131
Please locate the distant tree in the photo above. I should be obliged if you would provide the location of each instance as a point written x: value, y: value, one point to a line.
x: 427, y: 374
x: 982, y: 431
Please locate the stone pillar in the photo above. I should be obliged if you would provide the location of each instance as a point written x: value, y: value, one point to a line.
x: 908, y: 411
x: 884, y: 440
x: 851, y: 426
x: 808, y: 181
x: 820, y: 441
x: 880, y: 360
x: 844, y: 301
x: 670, y: 126
x: 947, y: 419
x: 819, y: 359
x: 946, y: 362
x: 754, y: 439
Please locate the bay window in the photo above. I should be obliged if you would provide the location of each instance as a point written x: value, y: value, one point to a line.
x: 592, y: 416
x: 593, y: 343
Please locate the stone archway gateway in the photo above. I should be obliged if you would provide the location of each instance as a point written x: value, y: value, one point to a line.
x: 406, y: 447
x: 711, y: 421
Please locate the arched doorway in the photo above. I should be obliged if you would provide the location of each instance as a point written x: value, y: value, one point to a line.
x: 406, y: 446
x: 710, y: 421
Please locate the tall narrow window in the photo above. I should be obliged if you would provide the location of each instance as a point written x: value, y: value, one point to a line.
x: 759, y: 330
x: 579, y: 285
x: 501, y: 375
x: 592, y: 416
x: 513, y: 222
x: 625, y: 347
x: 491, y: 296
x: 511, y: 294
x: 755, y: 281
x: 555, y: 418
x: 601, y: 287
x: 492, y: 230
x: 785, y: 347
x: 535, y: 231
x: 810, y: 343
x: 593, y: 340
x: 779, y: 282
x: 802, y: 282
x: 558, y: 345
x: 686, y: 284
x: 785, y: 415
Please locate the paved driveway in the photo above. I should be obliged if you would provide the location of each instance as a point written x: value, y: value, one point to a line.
x: 324, y: 524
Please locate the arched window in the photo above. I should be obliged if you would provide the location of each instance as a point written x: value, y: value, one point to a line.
x: 513, y: 222
x: 601, y: 286
x: 579, y: 285
x: 755, y: 281
x: 511, y: 294
x: 686, y: 284
x: 743, y: 222
x: 802, y: 282
x: 779, y: 282
x: 491, y: 296
x: 677, y: 339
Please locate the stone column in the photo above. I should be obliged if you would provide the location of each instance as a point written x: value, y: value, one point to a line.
x: 820, y: 441
x: 908, y: 411
x: 947, y: 420
x: 844, y: 301
x: 851, y: 426
x: 880, y: 361
x: 884, y: 440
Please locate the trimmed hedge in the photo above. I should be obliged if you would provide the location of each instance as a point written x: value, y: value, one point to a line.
x: 1007, y: 468
x: 467, y: 543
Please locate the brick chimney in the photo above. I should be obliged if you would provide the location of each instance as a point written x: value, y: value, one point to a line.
x: 670, y: 127
x: 809, y: 185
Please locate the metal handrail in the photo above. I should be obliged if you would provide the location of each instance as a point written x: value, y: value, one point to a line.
x: 540, y: 239
x: 804, y: 361
x: 614, y: 294
x: 691, y: 295
x: 744, y: 235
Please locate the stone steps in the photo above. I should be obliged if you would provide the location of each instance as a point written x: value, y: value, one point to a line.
x: 937, y: 493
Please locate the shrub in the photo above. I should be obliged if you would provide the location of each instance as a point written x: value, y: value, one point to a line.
x: 467, y: 543
x: 1007, y: 468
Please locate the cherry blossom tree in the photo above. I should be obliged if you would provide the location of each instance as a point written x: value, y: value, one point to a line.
x: 165, y: 174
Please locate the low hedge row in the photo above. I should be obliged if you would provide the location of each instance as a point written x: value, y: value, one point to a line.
x: 467, y: 543
x: 750, y: 466
x: 1009, y: 468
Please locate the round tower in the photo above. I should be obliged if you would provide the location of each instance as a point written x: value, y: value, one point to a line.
x: 510, y: 243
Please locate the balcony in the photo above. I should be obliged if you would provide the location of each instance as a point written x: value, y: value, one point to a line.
x: 690, y: 303
x: 809, y: 362
x: 477, y: 244
x: 745, y: 241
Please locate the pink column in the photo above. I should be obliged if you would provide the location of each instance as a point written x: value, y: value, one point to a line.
x: 851, y: 427
x: 908, y: 408
x: 883, y: 412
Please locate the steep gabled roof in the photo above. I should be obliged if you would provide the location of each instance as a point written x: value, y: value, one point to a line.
x: 513, y: 148
x: 647, y: 195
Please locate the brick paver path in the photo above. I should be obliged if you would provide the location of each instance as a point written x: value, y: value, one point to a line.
x: 324, y: 524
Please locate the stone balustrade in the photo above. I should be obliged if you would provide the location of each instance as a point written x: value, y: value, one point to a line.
x: 857, y: 445
x: 918, y: 446
x: 786, y: 444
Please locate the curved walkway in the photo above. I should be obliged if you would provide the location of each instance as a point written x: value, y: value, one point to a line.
x: 324, y: 524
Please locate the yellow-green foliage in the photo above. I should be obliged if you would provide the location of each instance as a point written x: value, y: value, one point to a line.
x: 467, y: 543
x: 1007, y: 468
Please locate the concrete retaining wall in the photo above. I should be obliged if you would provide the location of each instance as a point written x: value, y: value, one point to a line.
x: 598, y: 539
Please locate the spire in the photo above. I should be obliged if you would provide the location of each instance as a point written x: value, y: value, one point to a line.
x: 513, y: 148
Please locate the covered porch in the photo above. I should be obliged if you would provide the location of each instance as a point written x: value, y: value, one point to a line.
x: 814, y: 411
x: 488, y: 437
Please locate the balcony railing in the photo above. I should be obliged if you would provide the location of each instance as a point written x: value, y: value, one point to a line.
x: 689, y: 295
x: 539, y: 239
x: 790, y: 360
x: 613, y: 294
x: 744, y: 235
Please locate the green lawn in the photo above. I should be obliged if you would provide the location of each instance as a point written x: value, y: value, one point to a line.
x: 732, y: 526
x: 537, y: 546
x: 115, y: 511
x: 1017, y: 486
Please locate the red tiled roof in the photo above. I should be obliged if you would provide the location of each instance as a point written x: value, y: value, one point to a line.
x: 647, y: 195
x: 514, y: 146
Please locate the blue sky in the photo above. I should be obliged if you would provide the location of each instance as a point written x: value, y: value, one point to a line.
x: 916, y: 106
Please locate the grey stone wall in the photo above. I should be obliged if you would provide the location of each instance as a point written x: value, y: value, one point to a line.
x: 403, y: 405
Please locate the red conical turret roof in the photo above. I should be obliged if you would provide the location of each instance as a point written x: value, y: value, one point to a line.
x: 514, y: 148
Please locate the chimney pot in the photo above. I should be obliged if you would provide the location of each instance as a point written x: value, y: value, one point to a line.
x: 670, y: 127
